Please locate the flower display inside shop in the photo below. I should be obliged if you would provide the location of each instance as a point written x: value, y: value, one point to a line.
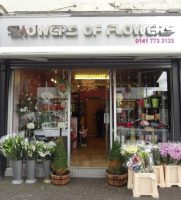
x: 62, y: 88
x: 27, y: 103
x: 144, y: 123
x: 63, y: 85
x: 31, y: 125
x: 26, y: 108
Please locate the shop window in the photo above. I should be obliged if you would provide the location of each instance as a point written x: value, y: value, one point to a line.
x: 40, y: 101
x: 142, y: 105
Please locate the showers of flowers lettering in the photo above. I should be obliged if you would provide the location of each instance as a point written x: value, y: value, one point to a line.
x: 46, y: 149
x: 138, y: 156
x: 11, y: 146
x: 26, y: 108
x: 170, y: 153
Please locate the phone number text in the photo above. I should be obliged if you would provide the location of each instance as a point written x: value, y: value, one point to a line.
x: 154, y: 40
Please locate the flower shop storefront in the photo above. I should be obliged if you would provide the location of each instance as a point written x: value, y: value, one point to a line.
x: 56, y: 76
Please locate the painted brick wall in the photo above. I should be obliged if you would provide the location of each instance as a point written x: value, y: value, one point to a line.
x: 90, y: 5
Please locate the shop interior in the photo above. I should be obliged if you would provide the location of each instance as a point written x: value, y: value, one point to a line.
x: 88, y: 100
x: 141, y: 110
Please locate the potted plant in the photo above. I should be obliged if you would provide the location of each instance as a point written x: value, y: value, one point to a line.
x: 171, y: 157
x: 11, y: 148
x: 60, y: 174
x: 117, y: 170
x: 30, y: 154
x: 158, y: 167
x: 45, y: 151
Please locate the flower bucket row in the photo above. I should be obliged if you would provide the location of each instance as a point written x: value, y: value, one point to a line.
x: 17, y: 148
x: 153, y: 165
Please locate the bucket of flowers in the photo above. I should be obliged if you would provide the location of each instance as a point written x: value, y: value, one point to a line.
x: 11, y: 148
x: 45, y: 151
x: 30, y: 150
x: 171, y: 157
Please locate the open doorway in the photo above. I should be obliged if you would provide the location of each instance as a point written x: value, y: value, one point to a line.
x: 89, y: 135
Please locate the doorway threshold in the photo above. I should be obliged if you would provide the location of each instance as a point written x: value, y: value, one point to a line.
x: 88, y: 172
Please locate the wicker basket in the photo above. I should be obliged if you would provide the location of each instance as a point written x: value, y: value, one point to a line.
x: 60, y: 180
x: 117, y: 180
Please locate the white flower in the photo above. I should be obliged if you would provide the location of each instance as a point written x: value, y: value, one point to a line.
x: 30, y: 125
x: 61, y: 124
x: 29, y: 99
x: 21, y: 110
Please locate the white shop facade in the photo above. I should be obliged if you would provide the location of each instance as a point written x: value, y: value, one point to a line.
x: 65, y: 68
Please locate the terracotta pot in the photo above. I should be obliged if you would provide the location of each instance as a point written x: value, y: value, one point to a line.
x: 60, y: 179
x: 117, y: 180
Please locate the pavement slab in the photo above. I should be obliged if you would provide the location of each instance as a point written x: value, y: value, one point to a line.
x: 77, y: 189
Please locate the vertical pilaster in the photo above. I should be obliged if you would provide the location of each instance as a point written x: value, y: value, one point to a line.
x: 4, y: 77
x: 176, y: 101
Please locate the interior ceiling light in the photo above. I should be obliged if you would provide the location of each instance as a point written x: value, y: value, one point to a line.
x: 91, y: 77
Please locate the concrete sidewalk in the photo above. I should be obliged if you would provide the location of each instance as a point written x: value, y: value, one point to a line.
x: 77, y: 189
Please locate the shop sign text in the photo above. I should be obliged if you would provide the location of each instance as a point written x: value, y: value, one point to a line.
x: 136, y: 30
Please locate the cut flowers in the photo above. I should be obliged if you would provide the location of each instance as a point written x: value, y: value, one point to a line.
x: 46, y: 150
x: 170, y: 153
x: 11, y: 146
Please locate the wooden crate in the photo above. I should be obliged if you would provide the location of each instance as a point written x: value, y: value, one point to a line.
x: 130, y: 179
x: 159, y: 171
x: 172, y: 175
x: 145, y: 184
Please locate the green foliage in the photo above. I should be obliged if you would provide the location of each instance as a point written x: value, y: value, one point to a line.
x: 114, y: 154
x: 11, y: 146
x: 116, y: 163
x: 59, y: 158
x: 156, y: 156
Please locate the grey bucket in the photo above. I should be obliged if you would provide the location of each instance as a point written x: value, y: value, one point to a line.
x: 30, y: 171
x: 17, y: 171
x: 46, y: 168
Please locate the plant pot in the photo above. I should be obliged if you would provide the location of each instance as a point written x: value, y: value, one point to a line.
x: 172, y: 175
x: 30, y: 171
x: 155, y: 102
x: 145, y: 184
x: 46, y: 170
x: 158, y: 170
x: 130, y: 179
x: 17, y: 171
x: 60, y: 179
x: 117, y: 180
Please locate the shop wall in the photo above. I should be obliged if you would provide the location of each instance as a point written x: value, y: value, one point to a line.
x: 94, y: 5
x: 3, y: 110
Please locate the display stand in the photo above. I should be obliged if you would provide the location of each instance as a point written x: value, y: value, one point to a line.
x: 145, y: 184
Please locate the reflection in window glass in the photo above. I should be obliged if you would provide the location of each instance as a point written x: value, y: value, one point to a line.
x: 40, y: 100
x: 142, y: 105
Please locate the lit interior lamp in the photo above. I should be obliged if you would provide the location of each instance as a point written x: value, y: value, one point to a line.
x: 91, y: 76
x: 53, y: 80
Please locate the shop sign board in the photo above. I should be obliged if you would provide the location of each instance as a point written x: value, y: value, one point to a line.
x: 138, y: 34
x: 89, y: 31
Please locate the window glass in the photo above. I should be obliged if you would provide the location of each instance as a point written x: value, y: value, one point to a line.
x: 40, y: 100
x: 142, y: 105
